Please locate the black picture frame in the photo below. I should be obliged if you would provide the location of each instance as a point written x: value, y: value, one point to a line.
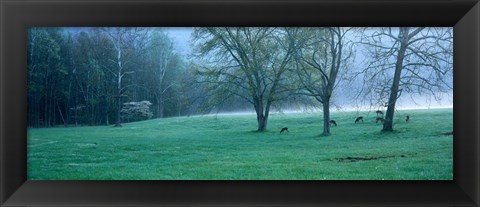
x: 17, y: 16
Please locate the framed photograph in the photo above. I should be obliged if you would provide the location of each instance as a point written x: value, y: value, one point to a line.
x: 295, y: 103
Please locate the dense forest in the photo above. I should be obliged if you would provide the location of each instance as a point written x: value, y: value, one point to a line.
x: 108, y: 76
x: 83, y: 77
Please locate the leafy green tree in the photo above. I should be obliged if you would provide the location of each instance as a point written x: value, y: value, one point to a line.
x: 92, y: 78
x: 245, y: 62
x: 44, y: 69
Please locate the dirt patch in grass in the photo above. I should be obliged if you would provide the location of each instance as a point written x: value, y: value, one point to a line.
x: 447, y: 133
x: 357, y: 159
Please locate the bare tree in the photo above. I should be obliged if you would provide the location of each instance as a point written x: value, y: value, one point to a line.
x: 162, y: 57
x: 321, y: 54
x: 126, y: 42
x: 247, y: 63
x: 410, y: 60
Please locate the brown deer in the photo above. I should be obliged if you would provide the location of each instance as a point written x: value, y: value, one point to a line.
x: 407, y: 119
x: 333, y: 122
x: 360, y: 118
x: 378, y: 112
x: 284, y: 129
x: 379, y: 119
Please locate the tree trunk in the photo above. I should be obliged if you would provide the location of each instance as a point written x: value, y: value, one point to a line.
x: 119, y: 90
x: 61, y: 115
x: 76, y: 109
x: 67, y: 104
x: 265, y: 117
x: 107, y: 121
x: 119, y: 103
x: 261, y: 122
x: 119, y: 81
x: 160, y: 107
x: 261, y: 119
x: 326, y: 118
x: 45, y: 106
x: 262, y: 115
x: 119, y: 106
x: 388, y: 122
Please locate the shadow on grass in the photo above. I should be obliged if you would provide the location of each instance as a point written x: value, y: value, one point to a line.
x: 357, y: 159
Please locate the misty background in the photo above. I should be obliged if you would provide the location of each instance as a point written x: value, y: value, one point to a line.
x: 87, y: 76
x: 182, y: 37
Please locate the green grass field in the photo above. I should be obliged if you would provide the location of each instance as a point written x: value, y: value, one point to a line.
x: 226, y: 147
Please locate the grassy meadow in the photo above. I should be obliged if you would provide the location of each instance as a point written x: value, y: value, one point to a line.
x: 226, y: 147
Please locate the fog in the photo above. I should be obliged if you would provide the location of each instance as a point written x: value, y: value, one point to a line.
x: 343, y: 100
x: 181, y: 37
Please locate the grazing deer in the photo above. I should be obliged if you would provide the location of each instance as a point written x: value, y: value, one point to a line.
x: 378, y: 112
x: 284, y: 129
x: 333, y: 122
x: 407, y: 119
x: 379, y: 119
x: 360, y: 118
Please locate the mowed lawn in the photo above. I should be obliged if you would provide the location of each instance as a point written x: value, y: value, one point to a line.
x: 226, y: 147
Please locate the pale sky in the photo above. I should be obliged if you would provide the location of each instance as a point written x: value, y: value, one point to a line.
x: 181, y: 36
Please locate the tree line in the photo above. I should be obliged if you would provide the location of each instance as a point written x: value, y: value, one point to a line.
x: 83, y: 76
x: 86, y: 76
